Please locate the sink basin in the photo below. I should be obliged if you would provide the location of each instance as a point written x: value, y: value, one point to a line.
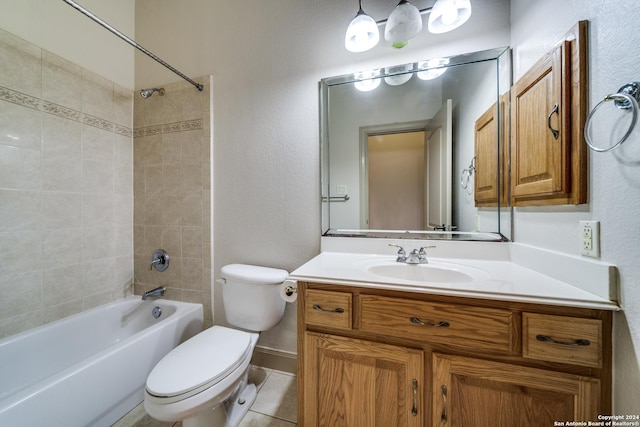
x: 434, y: 272
x: 420, y: 273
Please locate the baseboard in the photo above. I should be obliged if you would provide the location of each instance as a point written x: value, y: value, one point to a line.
x: 275, y: 359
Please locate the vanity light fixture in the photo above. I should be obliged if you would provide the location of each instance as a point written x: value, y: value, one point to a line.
x: 404, y: 23
x: 448, y: 15
x: 362, y: 33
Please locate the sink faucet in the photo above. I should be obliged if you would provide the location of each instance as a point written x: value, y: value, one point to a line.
x: 416, y: 256
x: 157, y: 292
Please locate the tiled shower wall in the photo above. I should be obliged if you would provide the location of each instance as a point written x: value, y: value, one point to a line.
x: 66, y: 187
x: 172, y: 191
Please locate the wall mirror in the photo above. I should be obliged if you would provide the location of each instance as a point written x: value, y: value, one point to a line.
x: 415, y: 150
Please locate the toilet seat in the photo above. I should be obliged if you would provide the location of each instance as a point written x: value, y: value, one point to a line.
x: 198, y: 364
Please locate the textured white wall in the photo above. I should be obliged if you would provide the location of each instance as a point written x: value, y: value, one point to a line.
x: 614, y: 195
x: 266, y: 59
x: 60, y: 29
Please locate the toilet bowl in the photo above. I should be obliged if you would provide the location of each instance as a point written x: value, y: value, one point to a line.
x: 204, y: 381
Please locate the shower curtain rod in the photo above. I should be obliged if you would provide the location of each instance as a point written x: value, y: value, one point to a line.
x: 130, y: 41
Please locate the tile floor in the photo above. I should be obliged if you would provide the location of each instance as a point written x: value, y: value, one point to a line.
x: 275, y: 405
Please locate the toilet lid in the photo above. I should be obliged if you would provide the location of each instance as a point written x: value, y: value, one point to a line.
x: 254, y: 273
x: 201, y: 360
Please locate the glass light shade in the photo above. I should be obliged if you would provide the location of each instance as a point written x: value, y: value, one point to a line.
x: 368, y: 80
x: 398, y: 79
x: 404, y: 23
x: 362, y: 33
x: 448, y: 15
x: 432, y: 68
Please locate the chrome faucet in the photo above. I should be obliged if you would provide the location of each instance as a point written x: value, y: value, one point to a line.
x: 416, y: 256
x: 154, y: 293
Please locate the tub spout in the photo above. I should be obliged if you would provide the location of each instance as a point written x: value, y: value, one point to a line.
x: 157, y: 292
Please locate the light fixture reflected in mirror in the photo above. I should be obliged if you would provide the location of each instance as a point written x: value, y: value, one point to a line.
x: 432, y: 68
x: 398, y: 75
x: 404, y: 23
x: 447, y: 15
x: 367, y: 80
x: 362, y: 33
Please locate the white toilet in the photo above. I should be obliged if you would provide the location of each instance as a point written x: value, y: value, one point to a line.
x: 203, y: 381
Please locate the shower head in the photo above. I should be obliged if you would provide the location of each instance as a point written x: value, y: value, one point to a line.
x: 146, y: 93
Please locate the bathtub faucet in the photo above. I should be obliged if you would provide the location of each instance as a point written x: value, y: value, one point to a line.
x: 157, y: 292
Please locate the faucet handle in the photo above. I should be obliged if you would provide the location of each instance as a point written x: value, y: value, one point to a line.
x: 159, y: 260
x: 422, y: 253
x: 402, y: 255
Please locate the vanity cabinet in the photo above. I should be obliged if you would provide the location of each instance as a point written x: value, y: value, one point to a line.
x: 548, y: 113
x: 382, y: 357
x: 353, y: 382
x: 474, y: 392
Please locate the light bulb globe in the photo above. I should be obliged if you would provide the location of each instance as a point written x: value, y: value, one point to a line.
x: 447, y: 15
x: 404, y: 23
x: 362, y: 33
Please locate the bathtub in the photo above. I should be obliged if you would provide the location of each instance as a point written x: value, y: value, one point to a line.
x: 89, y: 369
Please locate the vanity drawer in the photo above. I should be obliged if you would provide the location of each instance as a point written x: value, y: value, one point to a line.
x: 472, y: 327
x: 328, y: 308
x: 562, y: 339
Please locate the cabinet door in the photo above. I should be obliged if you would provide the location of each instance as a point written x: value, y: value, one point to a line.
x: 486, y: 159
x: 477, y: 393
x: 490, y: 162
x: 541, y: 125
x: 355, y: 383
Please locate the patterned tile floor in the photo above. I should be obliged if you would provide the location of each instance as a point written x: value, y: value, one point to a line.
x: 275, y: 405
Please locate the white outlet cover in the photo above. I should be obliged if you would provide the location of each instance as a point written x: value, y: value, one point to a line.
x: 592, y: 250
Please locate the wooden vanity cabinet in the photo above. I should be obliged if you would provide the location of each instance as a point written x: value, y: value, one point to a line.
x: 380, y: 357
x: 353, y: 382
x: 473, y: 392
x: 548, y: 113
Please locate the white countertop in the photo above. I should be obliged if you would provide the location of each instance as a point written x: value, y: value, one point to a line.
x: 592, y: 286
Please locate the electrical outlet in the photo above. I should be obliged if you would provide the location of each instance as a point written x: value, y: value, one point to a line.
x: 590, y: 238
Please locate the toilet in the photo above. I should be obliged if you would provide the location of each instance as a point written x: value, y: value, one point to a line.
x: 204, y: 381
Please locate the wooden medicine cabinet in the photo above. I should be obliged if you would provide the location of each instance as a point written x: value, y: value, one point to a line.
x: 548, y: 113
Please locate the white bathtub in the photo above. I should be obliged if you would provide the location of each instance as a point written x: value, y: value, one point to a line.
x: 89, y: 369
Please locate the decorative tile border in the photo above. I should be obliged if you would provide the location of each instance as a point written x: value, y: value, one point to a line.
x: 60, y: 111
x: 168, y: 128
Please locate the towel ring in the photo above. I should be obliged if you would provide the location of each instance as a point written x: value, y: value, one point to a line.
x: 626, y: 98
x: 465, y: 177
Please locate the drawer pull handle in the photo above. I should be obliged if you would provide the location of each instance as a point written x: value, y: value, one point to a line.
x: 417, y: 321
x: 575, y: 343
x: 443, y: 390
x: 553, y: 131
x: 414, y: 386
x: 335, y: 310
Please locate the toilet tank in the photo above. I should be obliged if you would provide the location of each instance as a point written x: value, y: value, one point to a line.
x: 251, y: 296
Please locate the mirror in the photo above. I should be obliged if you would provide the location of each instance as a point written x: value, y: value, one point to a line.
x: 411, y: 151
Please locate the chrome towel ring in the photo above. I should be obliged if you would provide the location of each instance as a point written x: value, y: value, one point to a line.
x: 467, y: 173
x: 626, y: 98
